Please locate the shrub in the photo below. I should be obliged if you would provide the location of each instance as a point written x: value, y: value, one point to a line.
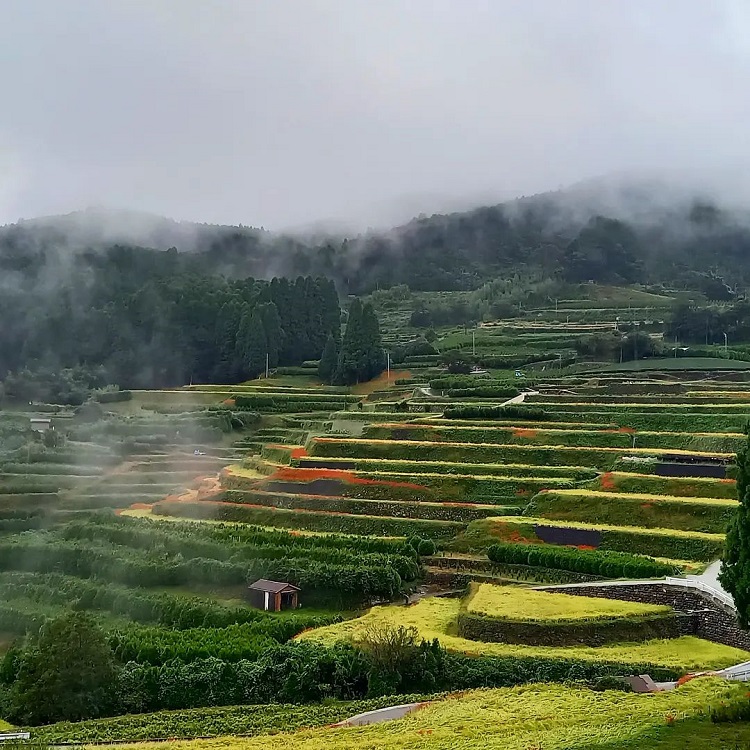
x: 591, y: 562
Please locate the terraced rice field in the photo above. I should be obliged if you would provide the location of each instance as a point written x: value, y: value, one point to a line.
x: 529, y: 605
x: 532, y: 716
x: 608, y: 463
x: 438, y: 618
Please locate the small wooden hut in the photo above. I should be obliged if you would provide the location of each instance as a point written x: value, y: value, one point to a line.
x: 273, y: 596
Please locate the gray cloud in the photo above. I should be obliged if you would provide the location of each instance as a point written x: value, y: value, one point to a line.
x: 284, y: 113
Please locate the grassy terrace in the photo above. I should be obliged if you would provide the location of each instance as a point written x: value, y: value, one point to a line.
x: 437, y: 617
x: 535, y: 716
x: 528, y: 605
x: 670, y: 543
x: 447, y: 467
x: 598, y: 458
x: 650, y: 511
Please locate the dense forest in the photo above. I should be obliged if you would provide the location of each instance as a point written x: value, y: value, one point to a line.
x: 149, y: 319
x: 641, y: 234
x: 133, y: 308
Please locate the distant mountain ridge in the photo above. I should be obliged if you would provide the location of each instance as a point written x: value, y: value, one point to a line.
x: 612, y: 229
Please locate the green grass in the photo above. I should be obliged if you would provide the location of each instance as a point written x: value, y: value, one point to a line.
x: 677, y: 363
x: 653, y: 542
x: 436, y: 618
x: 527, y: 605
x: 709, y: 515
x: 530, y: 717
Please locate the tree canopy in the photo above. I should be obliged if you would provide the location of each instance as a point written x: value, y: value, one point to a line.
x: 735, y: 568
x: 67, y: 674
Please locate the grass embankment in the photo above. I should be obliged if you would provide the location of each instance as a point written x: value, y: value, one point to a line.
x: 669, y: 543
x: 620, y: 481
x: 396, y: 465
x: 552, y: 717
x: 709, y: 515
x: 599, y: 458
x: 437, y: 618
x: 528, y: 605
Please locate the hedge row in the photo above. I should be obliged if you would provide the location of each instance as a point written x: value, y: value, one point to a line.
x: 652, y: 484
x: 112, y: 397
x: 271, y: 405
x: 311, y: 521
x: 486, y: 391
x: 360, y: 579
x: 390, y: 509
x: 658, y: 406
x: 675, y: 545
x: 688, y: 420
x: 477, y: 627
x: 511, y: 435
x: 590, y: 562
x: 529, y: 413
x: 43, y: 593
x: 305, y: 673
x: 244, y: 720
x: 244, y: 549
x: 600, y: 458
x: 711, y: 516
x: 404, y: 466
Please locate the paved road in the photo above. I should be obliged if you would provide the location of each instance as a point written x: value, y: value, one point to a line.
x: 382, y: 714
x: 710, y: 576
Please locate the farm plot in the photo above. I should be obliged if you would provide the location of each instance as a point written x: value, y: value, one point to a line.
x: 509, y: 614
x: 710, y: 515
x: 550, y: 716
x: 438, y: 618
x: 654, y: 542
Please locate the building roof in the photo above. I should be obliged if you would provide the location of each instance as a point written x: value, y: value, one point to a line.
x: 273, y: 587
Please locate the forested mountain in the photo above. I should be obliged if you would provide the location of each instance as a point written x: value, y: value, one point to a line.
x: 632, y: 232
x: 82, y: 290
x: 149, y: 319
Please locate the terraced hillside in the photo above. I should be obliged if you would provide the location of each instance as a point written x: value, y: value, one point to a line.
x: 604, y: 463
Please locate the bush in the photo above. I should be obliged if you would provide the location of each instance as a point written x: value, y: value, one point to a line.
x: 591, y: 562
x: 296, y: 519
x: 112, y: 397
x: 426, y: 547
x: 527, y: 413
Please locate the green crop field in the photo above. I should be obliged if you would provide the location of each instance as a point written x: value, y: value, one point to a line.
x: 437, y: 617
x: 527, y: 605
x: 153, y: 515
x: 533, y: 716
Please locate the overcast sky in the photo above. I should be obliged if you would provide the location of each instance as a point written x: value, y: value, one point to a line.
x: 281, y: 113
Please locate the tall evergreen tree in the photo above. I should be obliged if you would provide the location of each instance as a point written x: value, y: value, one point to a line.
x: 351, y: 355
x: 67, y: 674
x: 373, y: 344
x: 361, y: 355
x: 735, y: 568
x: 256, y: 346
x: 269, y: 314
x: 329, y: 361
x: 252, y: 344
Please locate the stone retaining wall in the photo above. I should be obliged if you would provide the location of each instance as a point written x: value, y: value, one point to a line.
x: 709, y: 620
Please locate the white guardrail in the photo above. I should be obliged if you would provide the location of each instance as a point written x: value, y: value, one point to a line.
x: 7, y: 736
x: 692, y: 583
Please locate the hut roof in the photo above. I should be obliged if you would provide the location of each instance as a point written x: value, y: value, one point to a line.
x: 273, y: 587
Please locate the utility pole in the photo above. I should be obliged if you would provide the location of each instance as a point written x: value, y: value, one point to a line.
x: 726, y: 343
x: 473, y: 344
x: 267, y: 364
x: 388, y: 366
